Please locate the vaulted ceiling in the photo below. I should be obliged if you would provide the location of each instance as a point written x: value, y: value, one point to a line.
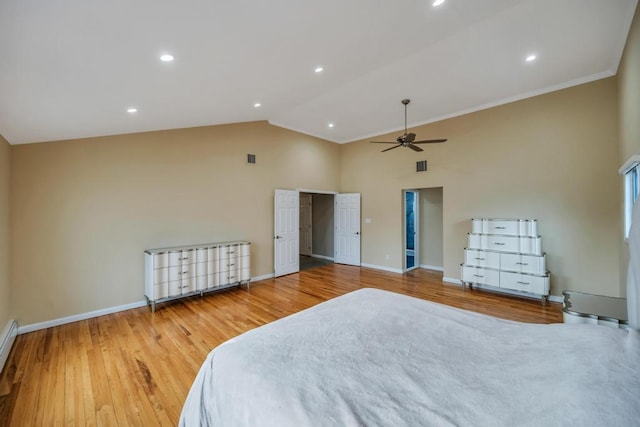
x: 72, y: 68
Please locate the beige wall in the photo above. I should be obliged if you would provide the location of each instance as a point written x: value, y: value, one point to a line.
x: 431, y: 227
x: 85, y: 210
x: 5, y: 307
x: 629, y: 93
x: 553, y: 157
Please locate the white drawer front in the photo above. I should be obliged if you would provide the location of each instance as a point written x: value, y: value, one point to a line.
x: 161, y: 260
x: 201, y: 255
x: 223, y: 278
x: 161, y: 291
x: 160, y: 275
x: 523, y: 263
x: 245, y: 249
x: 175, y: 258
x: 481, y: 258
x: 501, y: 227
x: 201, y: 282
x: 188, y: 257
x: 201, y: 269
x: 524, y: 282
x: 212, y: 254
x: 175, y: 288
x: 188, y: 284
x: 480, y: 275
x: 502, y: 243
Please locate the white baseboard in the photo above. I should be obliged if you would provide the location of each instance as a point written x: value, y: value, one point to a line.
x: 110, y: 310
x: 263, y: 277
x: 76, y: 317
x: 7, y: 338
x: 380, y: 267
x: 330, y: 258
x: 431, y: 267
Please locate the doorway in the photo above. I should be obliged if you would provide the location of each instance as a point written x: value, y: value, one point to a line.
x: 411, y: 229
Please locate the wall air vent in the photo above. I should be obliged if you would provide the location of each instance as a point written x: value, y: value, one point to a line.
x: 421, y: 166
x: 251, y: 158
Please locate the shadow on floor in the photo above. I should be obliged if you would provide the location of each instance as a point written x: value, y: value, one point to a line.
x: 307, y: 262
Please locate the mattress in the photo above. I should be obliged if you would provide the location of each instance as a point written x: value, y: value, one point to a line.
x: 377, y: 358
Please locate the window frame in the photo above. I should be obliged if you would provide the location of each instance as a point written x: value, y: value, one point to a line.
x: 631, y: 173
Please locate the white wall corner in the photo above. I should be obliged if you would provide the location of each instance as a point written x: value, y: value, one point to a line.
x: 7, y: 338
x: 452, y: 280
x: 263, y: 277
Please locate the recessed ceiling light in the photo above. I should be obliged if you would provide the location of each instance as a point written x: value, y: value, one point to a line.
x: 331, y: 125
x: 318, y: 69
x: 438, y: 3
x: 531, y: 58
x: 257, y: 105
x: 166, y: 58
x: 132, y: 110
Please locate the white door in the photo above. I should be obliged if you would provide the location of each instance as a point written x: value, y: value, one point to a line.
x: 305, y: 224
x: 286, y: 233
x: 347, y: 225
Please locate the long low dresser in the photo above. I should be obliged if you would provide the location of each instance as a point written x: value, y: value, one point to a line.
x: 181, y: 271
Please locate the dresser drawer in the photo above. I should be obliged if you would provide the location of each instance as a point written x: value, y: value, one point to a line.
x: 201, y: 269
x: 161, y: 291
x: 181, y: 272
x: 201, y: 255
x: 160, y: 275
x: 524, y: 282
x: 480, y: 275
x: 527, y: 245
x: 477, y: 258
x: 523, y: 263
x: 161, y: 260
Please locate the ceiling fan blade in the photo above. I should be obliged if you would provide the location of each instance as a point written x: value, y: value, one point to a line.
x: 409, y: 137
x: 392, y: 148
x: 383, y: 142
x: 415, y: 147
x: 429, y: 141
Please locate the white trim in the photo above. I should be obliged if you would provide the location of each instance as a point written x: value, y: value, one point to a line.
x: 303, y: 190
x: 77, y: 317
x: 431, y: 267
x: 383, y: 268
x: 629, y: 164
x: 6, y: 341
x: 452, y: 280
x: 263, y: 277
x: 330, y: 258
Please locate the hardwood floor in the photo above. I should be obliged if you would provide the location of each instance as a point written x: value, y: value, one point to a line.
x: 136, y: 368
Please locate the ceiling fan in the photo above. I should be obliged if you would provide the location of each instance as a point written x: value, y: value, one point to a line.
x: 407, y: 140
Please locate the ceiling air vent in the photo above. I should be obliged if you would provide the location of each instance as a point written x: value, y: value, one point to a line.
x: 421, y: 166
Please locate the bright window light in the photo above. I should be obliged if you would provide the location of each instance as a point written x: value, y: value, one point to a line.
x: 531, y: 58
x: 437, y: 3
x: 132, y: 110
x: 166, y: 58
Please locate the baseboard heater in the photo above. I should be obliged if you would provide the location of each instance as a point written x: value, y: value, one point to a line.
x: 6, y: 341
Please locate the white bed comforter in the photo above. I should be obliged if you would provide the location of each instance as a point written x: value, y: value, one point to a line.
x: 376, y: 358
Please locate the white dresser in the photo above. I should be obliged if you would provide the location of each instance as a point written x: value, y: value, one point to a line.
x: 176, y: 272
x: 506, y: 254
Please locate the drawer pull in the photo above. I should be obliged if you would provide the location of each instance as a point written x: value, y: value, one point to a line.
x: 477, y: 275
x: 179, y: 272
x: 185, y: 258
x: 231, y: 252
x: 480, y: 259
x: 522, y: 263
x: 500, y: 228
x: 230, y: 265
x: 524, y: 283
x: 184, y: 272
x: 499, y: 244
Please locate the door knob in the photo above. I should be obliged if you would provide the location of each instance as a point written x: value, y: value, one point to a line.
x: 278, y: 237
x: 357, y: 232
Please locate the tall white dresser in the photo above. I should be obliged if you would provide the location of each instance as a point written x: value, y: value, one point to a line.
x: 506, y: 254
x: 181, y: 271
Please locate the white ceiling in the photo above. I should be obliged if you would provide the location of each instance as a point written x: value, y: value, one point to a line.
x: 71, y: 68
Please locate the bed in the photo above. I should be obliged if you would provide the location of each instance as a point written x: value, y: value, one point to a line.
x: 376, y: 358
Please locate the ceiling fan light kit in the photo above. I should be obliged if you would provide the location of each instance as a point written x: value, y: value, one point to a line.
x: 407, y: 139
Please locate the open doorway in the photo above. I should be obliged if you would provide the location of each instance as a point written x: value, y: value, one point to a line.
x: 316, y: 229
x: 423, y: 228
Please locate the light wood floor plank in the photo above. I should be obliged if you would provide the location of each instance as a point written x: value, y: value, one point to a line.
x: 136, y: 367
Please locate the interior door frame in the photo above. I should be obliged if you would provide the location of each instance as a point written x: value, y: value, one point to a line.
x: 416, y: 230
x: 297, y: 248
